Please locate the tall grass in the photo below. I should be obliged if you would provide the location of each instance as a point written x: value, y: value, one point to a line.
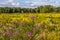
x: 29, y: 27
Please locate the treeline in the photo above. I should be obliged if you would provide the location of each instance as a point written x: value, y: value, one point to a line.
x: 41, y: 9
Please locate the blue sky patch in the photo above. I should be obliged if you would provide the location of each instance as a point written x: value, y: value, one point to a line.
x: 28, y: 3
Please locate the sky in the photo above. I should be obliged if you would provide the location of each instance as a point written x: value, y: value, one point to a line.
x: 28, y: 3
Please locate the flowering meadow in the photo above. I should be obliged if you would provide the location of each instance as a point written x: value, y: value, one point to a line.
x: 29, y: 26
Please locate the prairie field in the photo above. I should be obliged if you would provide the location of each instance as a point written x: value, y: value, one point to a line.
x: 45, y: 26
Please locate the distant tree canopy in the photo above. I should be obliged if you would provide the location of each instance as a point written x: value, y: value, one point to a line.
x: 41, y: 9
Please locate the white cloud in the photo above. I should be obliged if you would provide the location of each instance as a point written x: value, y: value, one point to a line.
x: 17, y: 4
x: 10, y: 0
x: 10, y: 3
x: 13, y: 3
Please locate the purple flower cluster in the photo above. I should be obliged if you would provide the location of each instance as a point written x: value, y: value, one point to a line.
x: 29, y: 34
x: 32, y: 17
x: 8, y: 31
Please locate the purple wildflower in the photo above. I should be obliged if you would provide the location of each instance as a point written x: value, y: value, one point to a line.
x: 32, y: 17
x: 8, y: 31
x: 29, y: 34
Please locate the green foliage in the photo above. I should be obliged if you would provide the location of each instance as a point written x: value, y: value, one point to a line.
x: 41, y: 9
